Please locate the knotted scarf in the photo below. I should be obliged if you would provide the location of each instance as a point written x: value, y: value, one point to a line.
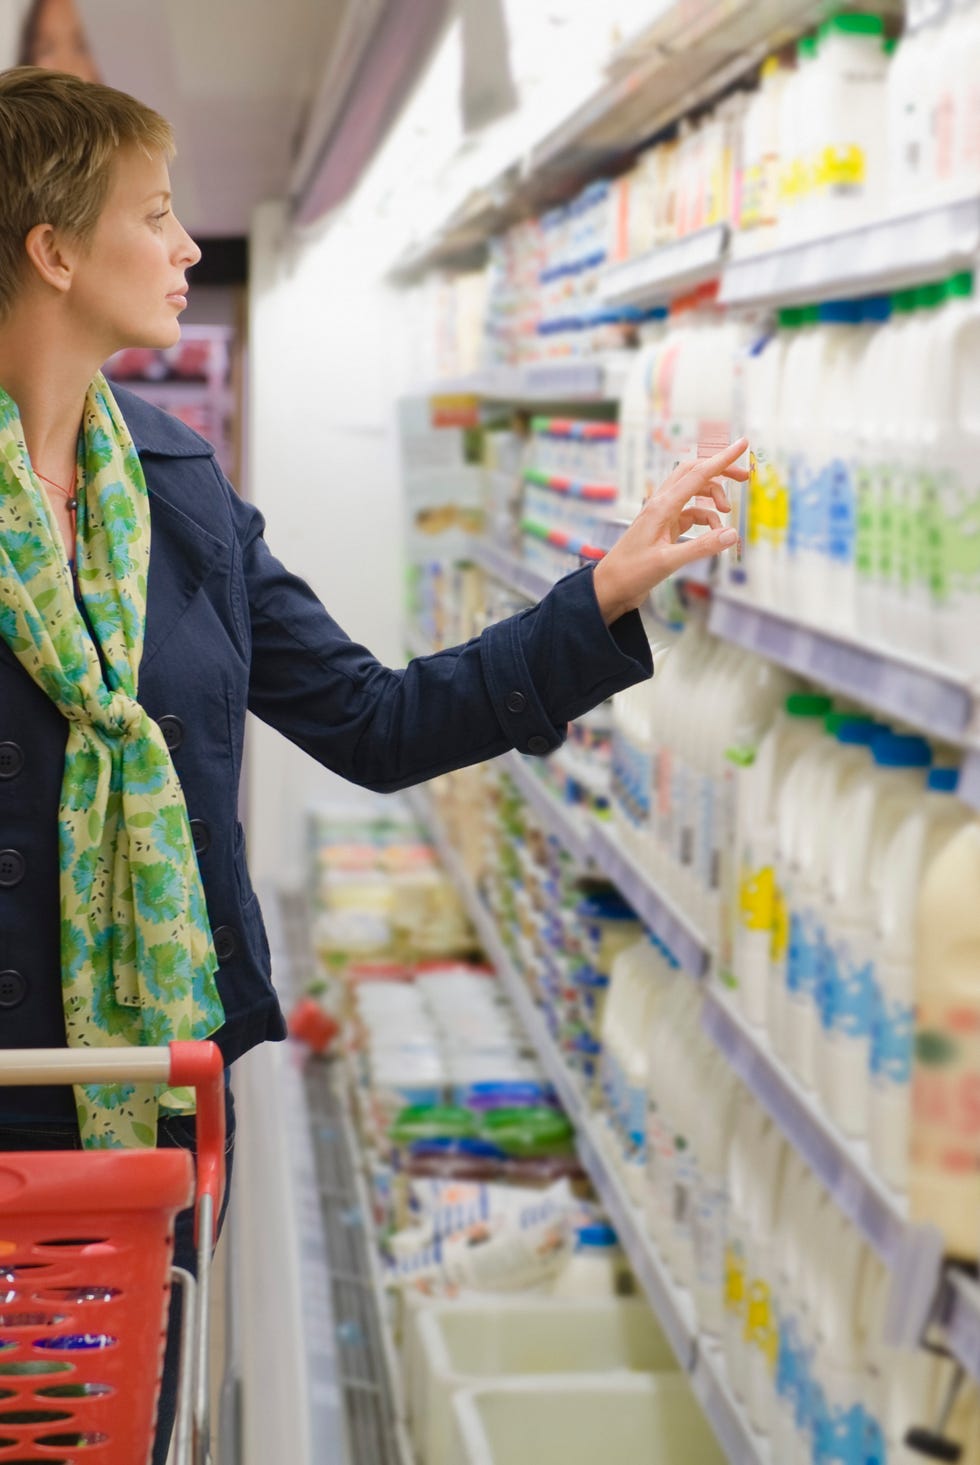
x: 137, y: 960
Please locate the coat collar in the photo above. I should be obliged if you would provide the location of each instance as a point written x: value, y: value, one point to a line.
x: 154, y: 431
x: 184, y: 554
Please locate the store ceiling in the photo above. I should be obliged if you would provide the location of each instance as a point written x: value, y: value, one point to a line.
x: 235, y: 77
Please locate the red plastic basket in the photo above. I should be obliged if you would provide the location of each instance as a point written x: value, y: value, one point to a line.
x: 86, y: 1245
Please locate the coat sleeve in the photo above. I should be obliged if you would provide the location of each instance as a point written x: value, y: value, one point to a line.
x: 515, y: 686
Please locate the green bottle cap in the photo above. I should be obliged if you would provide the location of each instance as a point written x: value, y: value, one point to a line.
x: 854, y: 23
x: 927, y: 297
x: 806, y: 48
x: 904, y: 301
x: 789, y: 317
x: 808, y: 704
x: 959, y: 286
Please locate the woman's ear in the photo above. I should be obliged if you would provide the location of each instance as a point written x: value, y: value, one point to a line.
x: 48, y: 256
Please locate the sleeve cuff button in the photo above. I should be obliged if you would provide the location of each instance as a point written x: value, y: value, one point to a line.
x: 537, y: 745
x: 515, y: 702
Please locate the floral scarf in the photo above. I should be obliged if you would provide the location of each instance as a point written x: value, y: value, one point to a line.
x: 137, y: 960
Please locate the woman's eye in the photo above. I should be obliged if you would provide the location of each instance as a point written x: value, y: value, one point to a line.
x: 157, y: 219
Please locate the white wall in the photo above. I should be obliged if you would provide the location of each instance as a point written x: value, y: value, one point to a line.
x: 326, y: 355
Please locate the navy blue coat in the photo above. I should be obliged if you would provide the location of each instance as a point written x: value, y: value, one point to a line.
x: 228, y: 629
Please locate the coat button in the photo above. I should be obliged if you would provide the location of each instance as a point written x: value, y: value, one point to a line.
x: 13, y: 989
x: 173, y: 731
x: 11, y: 760
x: 515, y: 702
x: 13, y: 868
x: 225, y: 943
x: 201, y: 834
x: 537, y: 744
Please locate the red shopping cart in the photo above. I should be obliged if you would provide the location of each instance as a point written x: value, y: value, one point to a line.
x: 86, y: 1245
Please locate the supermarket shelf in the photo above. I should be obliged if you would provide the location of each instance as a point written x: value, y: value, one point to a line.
x: 598, y: 379
x: 688, y: 52
x: 883, y: 256
x: 508, y: 568
x: 567, y: 825
x: 657, y: 276
x: 653, y: 907
x: 674, y: 1309
x: 913, y: 1253
x: 911, y: 690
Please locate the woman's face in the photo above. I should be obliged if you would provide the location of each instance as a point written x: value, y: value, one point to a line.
x: 60, y: 43
x: 129, y: 284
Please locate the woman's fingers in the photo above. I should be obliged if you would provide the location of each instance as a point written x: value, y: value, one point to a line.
x: 686, y: 551
x: 702, y: 478
x: 696, y: 514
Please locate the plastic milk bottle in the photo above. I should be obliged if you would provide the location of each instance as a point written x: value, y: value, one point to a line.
x: 944, y: 1175
x: 758, y: 787
x: 935, y: 818
x: 880, y: 802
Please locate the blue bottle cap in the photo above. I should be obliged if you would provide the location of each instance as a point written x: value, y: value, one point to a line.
x: 597, y: 1234
x: 876, y: 308
x: 839, y: 312
x: 891, y: 750
x: 859, y: 731
x: 943, y: 780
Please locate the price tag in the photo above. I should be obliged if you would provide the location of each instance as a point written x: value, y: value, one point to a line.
x: 776, y: 638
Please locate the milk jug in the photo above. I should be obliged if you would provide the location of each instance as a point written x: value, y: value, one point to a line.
x: 714, y: 1125
x: 794, y: 421
x: 679, y: 1008
x: 746, y: 1137
x: 909, y: 117
x: 799, y: 194
x: 936, y: 817
x: 797, y: 1204
x: 879, y: 804
x: 843, y: 1427
x: 883, y: 410
x: 821, y: 813
x: 953, y: 492
x: 850, y: 160
x: 965, y: 82
x: 944, y: 1175
x: 761, y: 1329
x: 767, y: 519
x: 911, y: 619
x: 758, y: 786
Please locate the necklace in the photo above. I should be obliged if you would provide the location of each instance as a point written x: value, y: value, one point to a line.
x: 71, y: 504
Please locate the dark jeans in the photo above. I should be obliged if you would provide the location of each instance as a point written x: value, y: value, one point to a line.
x: 172, y: 1133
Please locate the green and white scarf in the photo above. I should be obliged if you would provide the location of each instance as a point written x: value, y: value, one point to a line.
x: 137, y: 959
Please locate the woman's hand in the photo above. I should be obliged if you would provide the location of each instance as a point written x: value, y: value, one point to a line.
x: 649, y: 550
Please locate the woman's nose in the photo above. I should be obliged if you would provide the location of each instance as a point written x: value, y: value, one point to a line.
x: 187, y: 253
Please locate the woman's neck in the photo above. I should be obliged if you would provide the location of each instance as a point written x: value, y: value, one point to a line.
x: 48, y: 380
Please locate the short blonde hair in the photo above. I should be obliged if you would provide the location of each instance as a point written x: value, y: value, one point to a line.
x: 58, y: 141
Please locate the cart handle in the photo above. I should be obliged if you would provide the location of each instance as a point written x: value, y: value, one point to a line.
x: 180, y: 1065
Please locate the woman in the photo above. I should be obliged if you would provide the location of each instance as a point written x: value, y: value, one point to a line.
x: 54, y: 37
x: 141, y: 614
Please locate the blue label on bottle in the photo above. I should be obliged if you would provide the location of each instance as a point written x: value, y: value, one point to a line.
x: 875, y: 1444
x: 840, y: 1436
x: 788, y: 1362
x: 847, y: 993
x: 892, y: 1040
x: 841, y: 512
x: 803, y: 955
